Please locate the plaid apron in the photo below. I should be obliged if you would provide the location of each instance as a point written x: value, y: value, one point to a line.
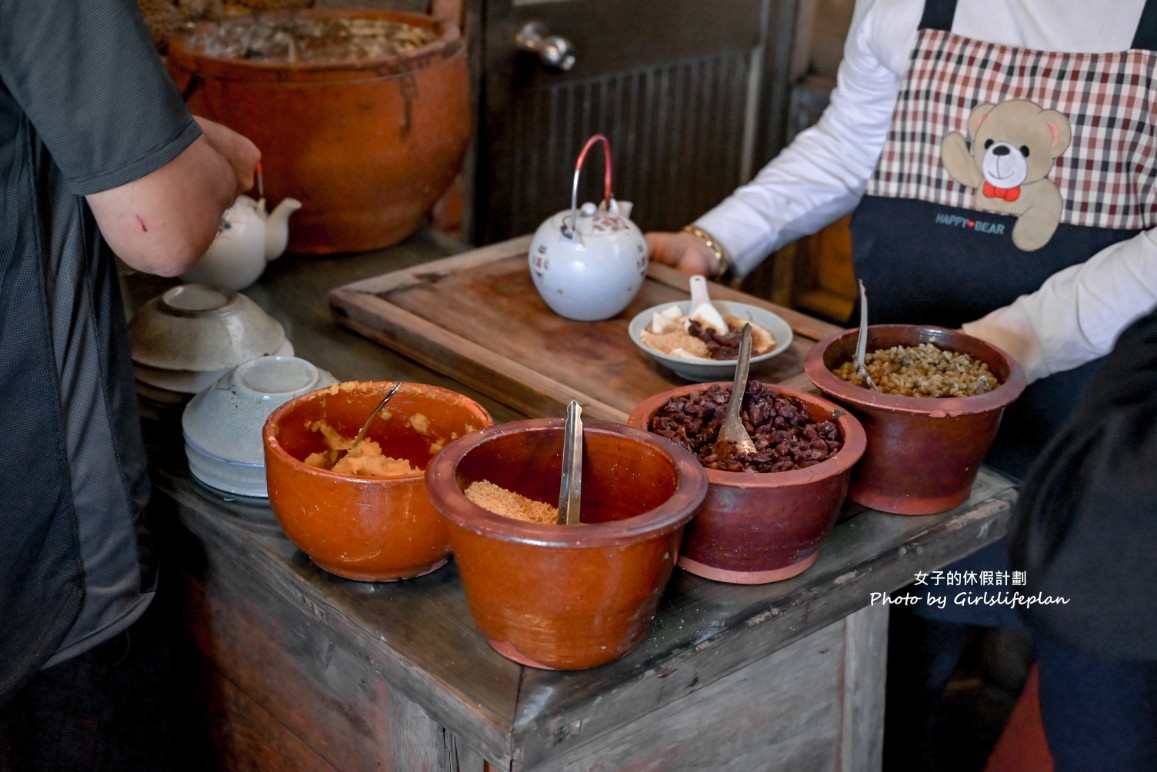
x: 939, y: 239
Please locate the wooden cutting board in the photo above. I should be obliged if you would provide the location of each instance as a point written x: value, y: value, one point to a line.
x: 477, y: 317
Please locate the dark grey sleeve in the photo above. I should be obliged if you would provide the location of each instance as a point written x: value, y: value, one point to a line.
x: 90, y: 81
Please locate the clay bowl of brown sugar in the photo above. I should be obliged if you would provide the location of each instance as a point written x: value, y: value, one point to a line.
x: 924, y: 452
x: 758, y: 526
x: 565, y: 597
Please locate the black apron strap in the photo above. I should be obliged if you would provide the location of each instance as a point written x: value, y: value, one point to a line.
x: 938, y: 14
x: 1145, y: 38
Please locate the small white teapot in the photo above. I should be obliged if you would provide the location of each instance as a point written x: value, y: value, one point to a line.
x: 247, y: 239
x: 588, y: 263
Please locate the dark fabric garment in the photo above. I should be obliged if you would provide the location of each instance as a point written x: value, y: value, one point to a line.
x: 932, y: 287
x: 92, y: 86
x: 922, y: 656
x: 1086, y: 522
x: 926, y: 261
x: 936, y: 289
x: 121, y: 706
x: 85, y: 105
x: 1098, y: 713
x: 41, y: 577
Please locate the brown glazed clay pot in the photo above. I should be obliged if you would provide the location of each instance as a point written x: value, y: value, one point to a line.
x: 567, y: 597
x: 365, y: 528
x: 756, y: 528
x: 367, y: 145
x: 923, y: 452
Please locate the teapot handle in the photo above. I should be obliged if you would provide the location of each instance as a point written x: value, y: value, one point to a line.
x: 568, y: 226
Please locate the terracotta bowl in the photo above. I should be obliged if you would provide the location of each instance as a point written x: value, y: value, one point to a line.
x: 923, y: 452
x: 365, y: 528
x: 567, y: 597
x: 367, y: 141
x: 756, y: 528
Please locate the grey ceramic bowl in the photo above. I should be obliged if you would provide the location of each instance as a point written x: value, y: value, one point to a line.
x: 222, y: 425
x: 199, y: 327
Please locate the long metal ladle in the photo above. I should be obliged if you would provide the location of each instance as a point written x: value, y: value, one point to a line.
x: 570, y: 489
x: 862, y: 342
x: 733, y: 437
x: 362, y: 433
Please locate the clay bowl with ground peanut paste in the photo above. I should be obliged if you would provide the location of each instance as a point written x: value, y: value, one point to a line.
x: 367, y: 517
x: 765, y: 516
x: 564, y: 597
x: 924, y: 451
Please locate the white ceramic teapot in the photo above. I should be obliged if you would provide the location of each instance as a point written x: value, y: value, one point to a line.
x: 248, y: 238
x: 588, y: 263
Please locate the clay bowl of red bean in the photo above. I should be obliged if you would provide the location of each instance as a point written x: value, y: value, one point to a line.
x: 766, y: 514
x: 942, y: 394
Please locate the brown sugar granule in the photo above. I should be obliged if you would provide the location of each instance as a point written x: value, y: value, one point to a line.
x: 510, y: 504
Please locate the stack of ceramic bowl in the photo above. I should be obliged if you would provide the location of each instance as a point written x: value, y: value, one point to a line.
x: 185, y: 339
x: 222, y: 425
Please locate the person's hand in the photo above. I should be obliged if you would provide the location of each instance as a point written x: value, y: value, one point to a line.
x: 242, y: 155
x: 681, y: 250
x: 163, y: 222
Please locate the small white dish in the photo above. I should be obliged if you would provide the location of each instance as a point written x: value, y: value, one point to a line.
x: 222, y: 424
x: 202, y: 328
x: 706, y: 370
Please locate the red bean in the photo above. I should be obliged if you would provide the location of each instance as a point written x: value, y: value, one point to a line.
x: 785, y: 435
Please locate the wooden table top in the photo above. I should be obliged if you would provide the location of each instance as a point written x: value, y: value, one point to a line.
x: 419, y: 633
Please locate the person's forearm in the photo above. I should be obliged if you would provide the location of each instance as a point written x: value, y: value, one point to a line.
x: 821, y: 175
x: 162, y: 223
x: 1078, y: 313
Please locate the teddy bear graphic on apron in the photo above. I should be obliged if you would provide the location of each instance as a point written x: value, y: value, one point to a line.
x: 1014, y: 145
x: 1003, y: 166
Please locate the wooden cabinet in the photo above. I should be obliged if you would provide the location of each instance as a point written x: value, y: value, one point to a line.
x: 816, y: 275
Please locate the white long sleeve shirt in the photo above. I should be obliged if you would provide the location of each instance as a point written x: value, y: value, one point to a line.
x: 1076, y: 315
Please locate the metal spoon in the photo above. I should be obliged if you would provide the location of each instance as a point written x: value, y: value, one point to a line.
x: 733, y: 437
x: 570, y: 489
x: 862, y: 342
x: 362, y: 433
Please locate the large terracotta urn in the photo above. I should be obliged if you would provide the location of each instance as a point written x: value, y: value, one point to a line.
x: 368, y: 138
